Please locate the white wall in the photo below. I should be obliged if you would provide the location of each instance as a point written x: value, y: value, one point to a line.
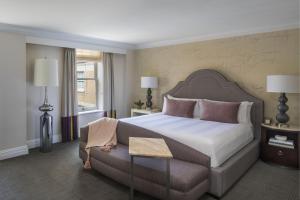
x: 20, y: 99
x: 12, y: 92
x: 35, y: 95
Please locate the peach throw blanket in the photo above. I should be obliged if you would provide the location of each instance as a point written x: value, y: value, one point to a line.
x: 102, y: 133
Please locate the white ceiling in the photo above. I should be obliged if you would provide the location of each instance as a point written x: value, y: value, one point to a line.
x: 142, y: 22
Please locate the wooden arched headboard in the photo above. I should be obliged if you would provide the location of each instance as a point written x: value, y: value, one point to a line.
x: 210, y: 84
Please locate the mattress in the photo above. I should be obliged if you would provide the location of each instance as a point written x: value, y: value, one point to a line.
x: 217, y: 140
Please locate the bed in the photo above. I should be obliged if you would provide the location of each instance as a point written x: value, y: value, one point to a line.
x: 210, y: 84
x: 227, y: 160
x: 217, y: 140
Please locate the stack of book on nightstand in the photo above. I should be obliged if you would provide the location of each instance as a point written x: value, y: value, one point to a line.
x: 281, y: 141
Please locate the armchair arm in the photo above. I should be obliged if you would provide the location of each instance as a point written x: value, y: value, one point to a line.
x: 84, y: 134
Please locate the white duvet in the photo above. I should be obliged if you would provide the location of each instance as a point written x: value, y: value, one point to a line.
x: 217, y: 140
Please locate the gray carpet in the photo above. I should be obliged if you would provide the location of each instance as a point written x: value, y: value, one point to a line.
x: 59, y: 176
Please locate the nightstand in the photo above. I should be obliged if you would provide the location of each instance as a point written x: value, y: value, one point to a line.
x: 138, y: 112
x: 276, y: 149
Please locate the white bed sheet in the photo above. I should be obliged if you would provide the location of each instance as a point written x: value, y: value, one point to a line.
x: 217, y: 140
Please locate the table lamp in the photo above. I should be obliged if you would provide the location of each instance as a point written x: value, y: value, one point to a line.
x: 149, y: 83
x: 283, y: 84
x: 46, y: 74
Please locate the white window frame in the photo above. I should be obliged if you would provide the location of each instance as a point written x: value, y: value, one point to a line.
x: 81, y: 89
x: 95, y: 78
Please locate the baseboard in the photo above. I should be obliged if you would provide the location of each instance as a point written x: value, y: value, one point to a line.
x: 13, y: 152
x: 33, y: 143
x: 36, y: 142
x: 23, y: 150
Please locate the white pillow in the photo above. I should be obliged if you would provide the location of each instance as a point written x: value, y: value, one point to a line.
x: 196, y: 113
x: 244, y: 113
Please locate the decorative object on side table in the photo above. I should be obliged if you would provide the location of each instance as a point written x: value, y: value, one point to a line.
x: 149, y: 83
x: 46, y: 74
x: 283, y: 84
x: 139, y: 104
x: 268, y: 121
x: 280, y: 145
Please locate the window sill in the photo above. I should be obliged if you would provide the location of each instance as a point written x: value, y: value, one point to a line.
x: 89, y: 112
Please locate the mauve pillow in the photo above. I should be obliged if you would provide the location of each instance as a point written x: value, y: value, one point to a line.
x: 219, y: 111
x: 196, y: 113
x: 179, y: 108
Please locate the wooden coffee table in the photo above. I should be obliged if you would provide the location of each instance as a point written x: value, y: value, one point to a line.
x: 149, y: 147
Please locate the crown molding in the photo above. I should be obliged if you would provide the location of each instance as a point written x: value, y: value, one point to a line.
x: 61, y: 39
x: 71, y: 44
x: 216, y: 36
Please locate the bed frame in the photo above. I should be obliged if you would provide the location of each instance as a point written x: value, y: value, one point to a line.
x: 210, y: 84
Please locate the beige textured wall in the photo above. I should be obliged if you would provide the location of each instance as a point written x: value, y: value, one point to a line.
x: 131, y: 77
x: 246, y: 60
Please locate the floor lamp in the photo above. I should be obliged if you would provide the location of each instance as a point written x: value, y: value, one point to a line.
x: 46, y: 74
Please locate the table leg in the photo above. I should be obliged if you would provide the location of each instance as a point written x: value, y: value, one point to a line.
x: 168, y: 179
x: 131, y: 178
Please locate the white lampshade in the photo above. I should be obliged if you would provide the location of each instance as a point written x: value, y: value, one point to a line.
x: 149, y: 82
x: 45, y: 72
x: 283, y: 83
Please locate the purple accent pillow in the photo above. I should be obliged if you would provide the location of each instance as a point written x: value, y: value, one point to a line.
x: 180, y: 108
x: 219, y: 111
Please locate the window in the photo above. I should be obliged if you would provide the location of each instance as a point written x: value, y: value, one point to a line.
x: 87, y: 70
x: 80, y: 74
x: 80, y: 85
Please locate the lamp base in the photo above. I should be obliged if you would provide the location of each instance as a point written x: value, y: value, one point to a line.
x: 46, y: 108
x: 280, y: 125
x: 149, y: 97
x: 282, y: 117
x: 46, y: 132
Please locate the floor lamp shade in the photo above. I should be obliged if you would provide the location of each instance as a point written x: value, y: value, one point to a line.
x: 45, y: 72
